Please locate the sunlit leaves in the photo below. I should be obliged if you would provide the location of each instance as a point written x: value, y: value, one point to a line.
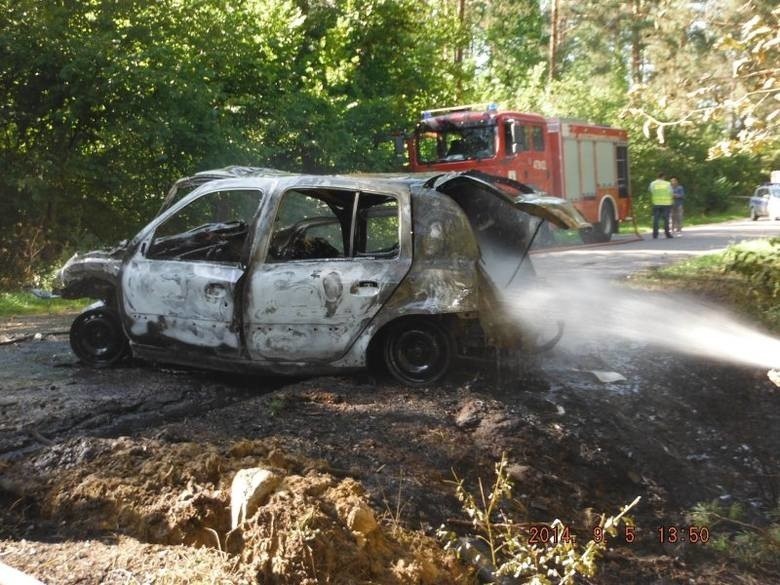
x: 728, y: 77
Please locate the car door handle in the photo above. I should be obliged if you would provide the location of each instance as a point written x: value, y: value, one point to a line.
x: 366, y: 288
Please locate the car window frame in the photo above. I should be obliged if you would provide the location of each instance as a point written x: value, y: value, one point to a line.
x: 350, y: 256
x: 146, y: 236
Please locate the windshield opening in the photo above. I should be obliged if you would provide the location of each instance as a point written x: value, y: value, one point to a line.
x: 455, y: 143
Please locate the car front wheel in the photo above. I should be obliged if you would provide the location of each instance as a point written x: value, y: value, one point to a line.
x: 97, y: 339
x: 418, y: 352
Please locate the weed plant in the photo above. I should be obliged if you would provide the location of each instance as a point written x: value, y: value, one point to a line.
x: 509, y: 552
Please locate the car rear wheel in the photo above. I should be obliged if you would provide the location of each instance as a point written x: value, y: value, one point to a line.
x: 417, y: 351
x: 753, y: 214
x: 97, y: 339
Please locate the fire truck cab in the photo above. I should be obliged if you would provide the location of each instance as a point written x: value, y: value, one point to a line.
x: 584, y: 163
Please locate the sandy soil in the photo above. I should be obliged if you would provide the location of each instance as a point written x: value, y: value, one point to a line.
x: 122, y: 475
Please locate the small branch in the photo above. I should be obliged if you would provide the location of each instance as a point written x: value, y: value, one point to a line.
x: 30, y: 336
x: 216, y: 537
x: 17, y: 339
x: 739, y: 523
x: 40, y: 438
x: 773, y: 71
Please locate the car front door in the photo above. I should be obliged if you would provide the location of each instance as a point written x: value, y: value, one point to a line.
x: 179, y: 287
x: 332, y: 258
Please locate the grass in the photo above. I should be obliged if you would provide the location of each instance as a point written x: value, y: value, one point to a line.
x: 24, y: 303
x: 645, y: 223
x: 722, y: 277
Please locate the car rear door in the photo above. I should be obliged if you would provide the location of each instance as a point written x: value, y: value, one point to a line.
x: 333, y: 255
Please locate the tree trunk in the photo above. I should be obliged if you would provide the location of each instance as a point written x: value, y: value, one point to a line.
x: 459, y: 48
x: 554, y: 40
x: 636, y: 43
x: 462, y: 21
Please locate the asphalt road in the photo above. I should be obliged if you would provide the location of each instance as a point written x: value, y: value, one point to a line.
x: 626, y: 255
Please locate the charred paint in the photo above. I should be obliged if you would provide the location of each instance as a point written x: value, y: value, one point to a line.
x: 94, y: 275
x: 311, y: 314
x: 292, y: 313
x: 333, y: 289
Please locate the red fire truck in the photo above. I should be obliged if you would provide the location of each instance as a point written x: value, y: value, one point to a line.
x: 584, y: 163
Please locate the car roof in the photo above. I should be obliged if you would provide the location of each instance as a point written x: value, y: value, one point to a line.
x: 558, y: 211
x: 236, y: 171
x: 190, y: 183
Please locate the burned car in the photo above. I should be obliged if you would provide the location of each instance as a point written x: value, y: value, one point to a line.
x: 257, y: 269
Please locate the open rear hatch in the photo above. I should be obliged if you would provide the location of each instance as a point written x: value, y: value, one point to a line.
x: 505, y: 216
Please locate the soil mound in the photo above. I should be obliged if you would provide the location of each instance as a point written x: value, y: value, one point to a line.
x: 312, y: 528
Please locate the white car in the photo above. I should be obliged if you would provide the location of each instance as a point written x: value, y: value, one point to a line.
x: 765, y: 202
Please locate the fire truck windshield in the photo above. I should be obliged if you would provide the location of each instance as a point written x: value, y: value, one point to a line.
x: 454, y: 143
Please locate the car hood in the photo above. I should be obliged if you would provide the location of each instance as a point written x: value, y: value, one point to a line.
x: 83, y: 275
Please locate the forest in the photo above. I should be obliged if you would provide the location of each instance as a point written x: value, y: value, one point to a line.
x: 104, y: 103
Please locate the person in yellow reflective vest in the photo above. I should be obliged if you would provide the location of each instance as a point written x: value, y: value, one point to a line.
x: 661, y: 195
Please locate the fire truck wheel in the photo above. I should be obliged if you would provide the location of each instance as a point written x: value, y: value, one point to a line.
x: 97, y: 339
x: 417, y: 351
x: 606, y: 226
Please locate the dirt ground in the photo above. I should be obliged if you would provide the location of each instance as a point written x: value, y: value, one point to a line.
x: 123, y: 475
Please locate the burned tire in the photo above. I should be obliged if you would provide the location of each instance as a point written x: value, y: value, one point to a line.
x: 417, y: 352
x: 97, y: 339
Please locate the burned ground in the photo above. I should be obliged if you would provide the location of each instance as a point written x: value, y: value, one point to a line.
x: 108, y: 475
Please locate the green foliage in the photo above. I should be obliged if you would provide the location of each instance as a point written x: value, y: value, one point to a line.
x: 751, y: 545
x: 23, y: 303
x: 745, y: 276
x: 277, y: 405
x: 103, y: 104
x: 511, y: 551
x: 507, y: 44
x: 711, y: 185
x: 759, y: 263
x: 714, y: 66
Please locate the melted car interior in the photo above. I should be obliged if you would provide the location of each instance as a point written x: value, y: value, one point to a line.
x: 212, y: 228
x: 330, y: 223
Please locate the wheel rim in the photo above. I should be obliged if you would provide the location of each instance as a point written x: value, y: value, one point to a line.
x: 97, y: 338
x: 418, y: 355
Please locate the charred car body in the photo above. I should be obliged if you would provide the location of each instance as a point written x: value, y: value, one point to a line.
x: 257, y: 269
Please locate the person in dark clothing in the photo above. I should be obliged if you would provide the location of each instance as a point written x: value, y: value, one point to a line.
x: 678, y: 194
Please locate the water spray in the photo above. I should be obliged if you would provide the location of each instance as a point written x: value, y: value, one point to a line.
x: 598, y: 311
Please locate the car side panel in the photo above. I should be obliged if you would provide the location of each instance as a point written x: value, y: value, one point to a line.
x: 312, y: 311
